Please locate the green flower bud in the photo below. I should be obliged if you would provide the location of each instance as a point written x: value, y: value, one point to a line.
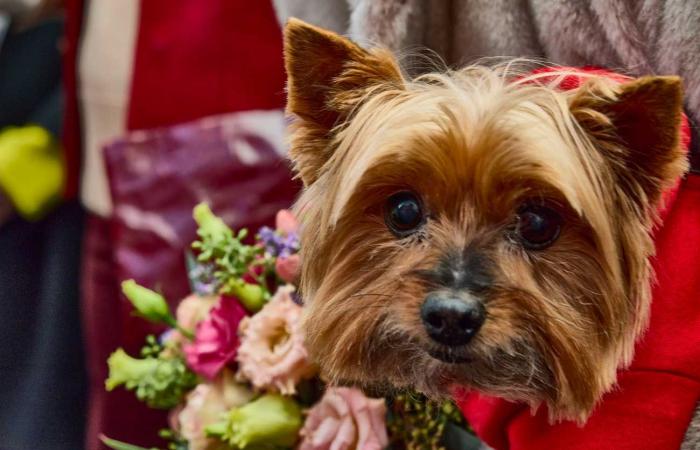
x: 123, y: 369
x: 209, y: 224
x: 271, y: 420
x: 252, y: 296
x: 148, y: 304
x: 160, y: 382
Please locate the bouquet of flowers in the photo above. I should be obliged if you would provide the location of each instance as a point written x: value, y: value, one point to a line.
x: 232, y: 367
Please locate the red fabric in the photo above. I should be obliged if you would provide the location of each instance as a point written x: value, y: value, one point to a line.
x: 71, y: 121
x: 104, y: 323
x: 656, y: 397
x: 196, y: 58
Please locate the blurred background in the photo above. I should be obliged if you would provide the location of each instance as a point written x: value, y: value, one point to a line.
x: 118, y: 116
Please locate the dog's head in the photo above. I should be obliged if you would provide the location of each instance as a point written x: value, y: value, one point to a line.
x: 474, y: 227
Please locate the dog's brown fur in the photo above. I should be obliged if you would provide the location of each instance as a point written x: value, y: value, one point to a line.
x: 475, y: 145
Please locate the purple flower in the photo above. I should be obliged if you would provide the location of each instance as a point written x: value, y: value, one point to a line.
x: 284, y: 241
x: 203, y: 280
x: 271, y: 240
x: 297, y: 298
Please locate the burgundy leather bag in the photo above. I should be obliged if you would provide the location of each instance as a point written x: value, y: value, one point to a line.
x: 233, y: 162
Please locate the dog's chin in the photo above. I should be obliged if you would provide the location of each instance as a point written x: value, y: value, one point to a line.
x: 450, y: 355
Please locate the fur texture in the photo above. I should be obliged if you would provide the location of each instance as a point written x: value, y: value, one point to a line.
x: 639, y: 37
x: 475, y: 145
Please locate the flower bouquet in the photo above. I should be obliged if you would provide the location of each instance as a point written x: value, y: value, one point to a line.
x: 233, y: 370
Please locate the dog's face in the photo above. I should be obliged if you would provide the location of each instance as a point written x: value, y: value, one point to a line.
x: 471, y: 229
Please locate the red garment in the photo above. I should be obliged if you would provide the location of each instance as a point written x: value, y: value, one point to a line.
x: 198, y: 58
x: 193, y: 59
x: 656, y: 397
x: 71, y: 120
x: 118, y: 414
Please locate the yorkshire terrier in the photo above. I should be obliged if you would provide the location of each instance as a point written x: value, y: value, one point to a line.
x: 482, y: 227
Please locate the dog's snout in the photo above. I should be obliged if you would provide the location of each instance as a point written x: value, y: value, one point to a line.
x: 450, y: 320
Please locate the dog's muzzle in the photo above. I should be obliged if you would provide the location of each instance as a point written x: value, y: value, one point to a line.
x: 451, y: 320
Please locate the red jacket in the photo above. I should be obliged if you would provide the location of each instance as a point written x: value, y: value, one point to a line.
x: 655, y: 398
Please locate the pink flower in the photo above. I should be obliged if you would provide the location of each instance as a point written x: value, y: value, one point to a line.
x: 345, y: 419
x: 285, y: 222
x: 191, y: 310
x: 288, y: 268
x: 204, y: 406
x: 216, y: 338
x: 272, y: 353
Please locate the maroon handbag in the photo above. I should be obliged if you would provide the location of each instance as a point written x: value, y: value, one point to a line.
x: 234, y: 162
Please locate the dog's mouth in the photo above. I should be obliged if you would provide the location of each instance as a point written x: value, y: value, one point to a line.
x: 449, y: 355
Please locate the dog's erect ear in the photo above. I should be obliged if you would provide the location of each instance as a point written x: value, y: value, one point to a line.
x: 327, y: 76
x: 644, y: 116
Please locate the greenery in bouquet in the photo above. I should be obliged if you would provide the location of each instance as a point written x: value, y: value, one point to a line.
x: 232, y: 368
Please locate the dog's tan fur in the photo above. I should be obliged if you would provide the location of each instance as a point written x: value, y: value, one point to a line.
x: 475, y: 144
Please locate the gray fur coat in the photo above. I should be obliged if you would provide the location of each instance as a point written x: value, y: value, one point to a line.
x: 632, y: 36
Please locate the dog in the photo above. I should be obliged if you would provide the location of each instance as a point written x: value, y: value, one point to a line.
x: 486, y: 230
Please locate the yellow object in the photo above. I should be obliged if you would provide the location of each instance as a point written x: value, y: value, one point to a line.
x: 31, y: 170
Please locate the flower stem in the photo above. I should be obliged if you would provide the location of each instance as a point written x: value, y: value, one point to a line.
x: 170, y: 320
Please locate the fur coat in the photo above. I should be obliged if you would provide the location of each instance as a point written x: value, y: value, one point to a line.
x: 631, y: 36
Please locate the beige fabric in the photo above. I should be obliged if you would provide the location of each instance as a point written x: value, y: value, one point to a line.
x: 105, y: 66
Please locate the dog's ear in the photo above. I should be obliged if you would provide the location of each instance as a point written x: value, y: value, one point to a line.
x: 327, y: 76
x: 642, y: 119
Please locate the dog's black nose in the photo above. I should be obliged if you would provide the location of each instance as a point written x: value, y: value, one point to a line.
x: 450, y: 320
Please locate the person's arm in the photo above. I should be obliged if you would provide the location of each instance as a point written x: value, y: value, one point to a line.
x: 648, y: 409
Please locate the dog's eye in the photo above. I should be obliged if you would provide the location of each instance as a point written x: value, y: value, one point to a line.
x: 538, y: 226
x: 403, y: 213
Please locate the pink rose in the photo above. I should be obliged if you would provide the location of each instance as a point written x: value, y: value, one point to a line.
x: 288, y: 268
x: 272, y: 353
x: 204, y: 406
x: 345, y: 419
x: 216, y: 338
x: 285, y: 222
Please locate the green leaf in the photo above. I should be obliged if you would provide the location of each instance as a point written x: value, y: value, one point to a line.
x: 231, y: 257
x: 119, y: 445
